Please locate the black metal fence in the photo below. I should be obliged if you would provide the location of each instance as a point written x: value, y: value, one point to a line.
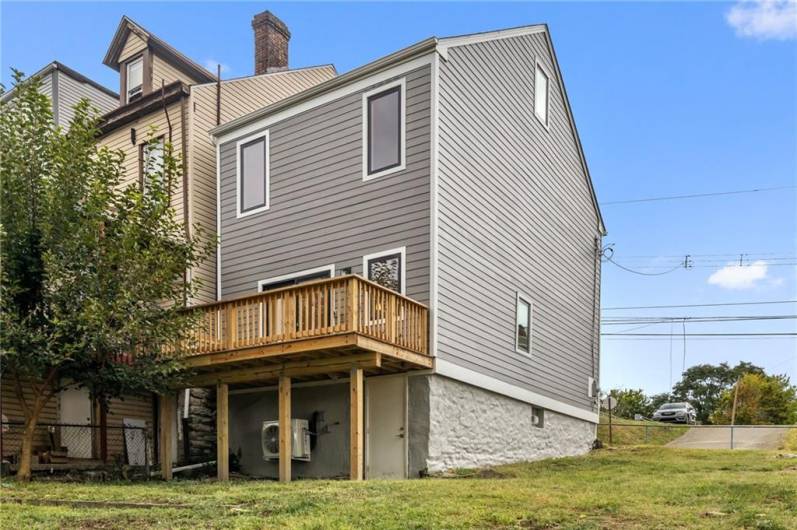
x: 697, y: 436
x: 62, y: 446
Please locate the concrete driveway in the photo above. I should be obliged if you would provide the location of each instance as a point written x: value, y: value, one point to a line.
x: 720, y: 438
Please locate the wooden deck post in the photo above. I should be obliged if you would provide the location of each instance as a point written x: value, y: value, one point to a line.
x: 222, y: 431
x: 353, y: 304
x: 165, y: 417
x: 285, y: 433
x: 356, y: 437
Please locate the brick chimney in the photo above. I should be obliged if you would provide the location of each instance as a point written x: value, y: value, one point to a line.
x: 271, y: 43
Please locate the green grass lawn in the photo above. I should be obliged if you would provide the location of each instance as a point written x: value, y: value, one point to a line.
x: 630, y: 432
x: 640, y: 487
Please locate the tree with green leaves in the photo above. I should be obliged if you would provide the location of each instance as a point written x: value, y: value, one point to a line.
x: 703, y: 385
x: 760, y: 400
x: 93, y: 272
x: 630, y: 402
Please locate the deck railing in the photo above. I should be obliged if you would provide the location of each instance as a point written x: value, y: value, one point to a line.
x: 321, y: 308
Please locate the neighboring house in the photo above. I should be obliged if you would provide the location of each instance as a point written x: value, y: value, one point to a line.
x: 66, y: 87
x: 165, y: 95
x: 451, y: 174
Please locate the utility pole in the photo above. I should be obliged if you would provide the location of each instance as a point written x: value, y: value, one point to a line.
x: 735, y: 397
x: 733, y: 409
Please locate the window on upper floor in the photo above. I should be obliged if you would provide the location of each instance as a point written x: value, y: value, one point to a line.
x: 541, y: 94
x: 135, y: 79
x: 383, y: 131
x: 253, y: 174
x: 150, y: 160
x: 523, y: 324
x: 386, y: 268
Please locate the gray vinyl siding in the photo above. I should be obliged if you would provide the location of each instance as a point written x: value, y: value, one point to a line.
x: 321, y: 212
x: 515, y: 215
x: 69, y: 93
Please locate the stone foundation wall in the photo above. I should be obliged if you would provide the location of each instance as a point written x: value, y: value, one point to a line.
x: 197, y: 433
x: 472, y: 427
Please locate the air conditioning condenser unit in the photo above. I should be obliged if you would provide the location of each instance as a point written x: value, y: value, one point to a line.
x: 300, y: 440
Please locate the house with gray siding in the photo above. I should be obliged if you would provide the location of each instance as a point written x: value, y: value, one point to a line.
x: 66, y: 87
x: 445, y: 180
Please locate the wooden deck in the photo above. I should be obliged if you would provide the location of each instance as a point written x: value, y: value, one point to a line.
x: 333, y: 328
x: 315, y: 330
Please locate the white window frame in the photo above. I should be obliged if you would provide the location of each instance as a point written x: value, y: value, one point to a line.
x: 520, y: 297
x: 402, y: 132
x: 292, y: 275
x: 139, y: 59
x: 238, y: 175
x: 547, y: 121
x: 381, y: 254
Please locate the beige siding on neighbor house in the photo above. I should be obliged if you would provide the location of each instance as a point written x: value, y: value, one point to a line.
x: 129, y: 407
x: 71, y: 91
x: 120, y: 139
x: 132, y: 47
x: 238, y: 97
x: 13, y: 411
x: 164, y: 73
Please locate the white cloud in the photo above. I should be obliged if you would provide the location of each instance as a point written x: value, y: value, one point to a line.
x: 739, y: 276
x: 764, y: 19
x: 210, y: 65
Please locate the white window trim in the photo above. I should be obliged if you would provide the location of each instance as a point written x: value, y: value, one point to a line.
x: 139, y: 59
x: 402, y: 133
x: 238, y: 213
x: 292, y: 275
x: 526, y: 299
x: 547, y: 122
x: 402, y: 251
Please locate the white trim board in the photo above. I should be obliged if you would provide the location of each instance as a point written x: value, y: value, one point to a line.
x: 324, y: 98
x: 400, y: 250
x: 465, y: 375
x: 434, y: 192
x: 218, y: 222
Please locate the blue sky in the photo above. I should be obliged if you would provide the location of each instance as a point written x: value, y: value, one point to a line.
x: 669, y: 99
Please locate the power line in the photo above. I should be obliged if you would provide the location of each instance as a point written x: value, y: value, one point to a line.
x: 693, y: 320
x: 696, y: 195
x: 767, y: 334
x: 610, y: 260
x: 699, y: 305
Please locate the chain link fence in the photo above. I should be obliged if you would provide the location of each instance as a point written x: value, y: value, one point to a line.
x: 694, y: 436
x: 71, y: 447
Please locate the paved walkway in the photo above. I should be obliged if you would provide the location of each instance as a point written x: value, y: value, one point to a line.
x: 720, y: 438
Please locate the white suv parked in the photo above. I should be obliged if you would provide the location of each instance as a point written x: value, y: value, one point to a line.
x: 676, y: 413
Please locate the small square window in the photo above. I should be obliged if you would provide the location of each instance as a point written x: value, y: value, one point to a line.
x: 537, y: 417
x: 541, y: 95
x: 386, y: 268
x: 523, y: 325
x: 253, y: 175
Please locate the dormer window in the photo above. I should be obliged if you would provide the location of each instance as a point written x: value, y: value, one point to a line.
x: 135, y: 79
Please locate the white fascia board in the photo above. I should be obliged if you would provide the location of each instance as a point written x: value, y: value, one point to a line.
x: 465, y: 375
x: 444, y: 44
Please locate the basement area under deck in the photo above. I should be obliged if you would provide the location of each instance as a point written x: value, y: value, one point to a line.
x: 342, y: 327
